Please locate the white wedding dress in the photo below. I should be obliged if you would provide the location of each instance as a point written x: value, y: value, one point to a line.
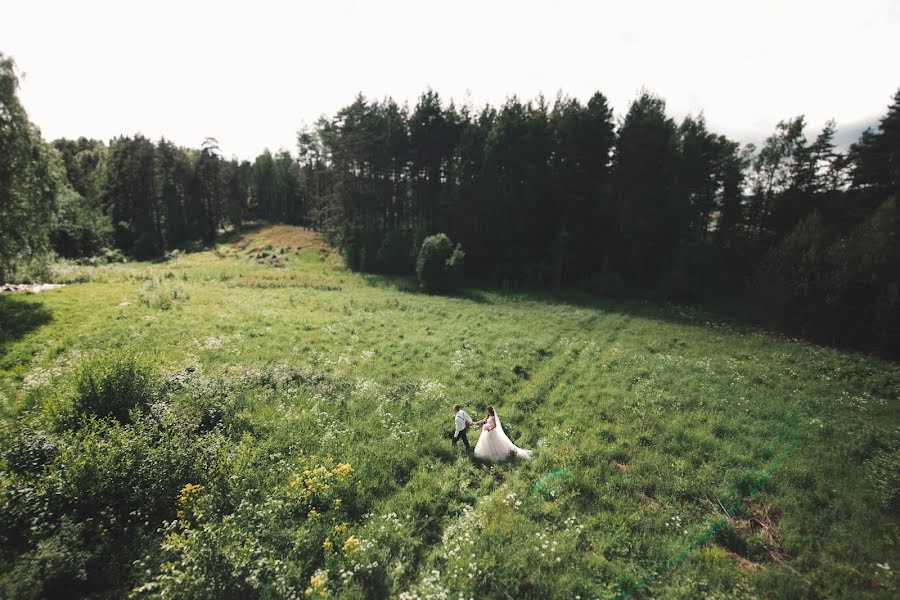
x: 493, y: 444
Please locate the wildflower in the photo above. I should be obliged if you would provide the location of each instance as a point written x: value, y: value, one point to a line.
x: 342, y: 471
x: 351, y: 543
x: 318, y: 584
x: 187, y: 493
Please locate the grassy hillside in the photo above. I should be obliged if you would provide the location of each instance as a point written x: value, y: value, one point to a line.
x: 288, y: 437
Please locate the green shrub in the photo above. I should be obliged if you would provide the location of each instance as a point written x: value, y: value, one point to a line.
x: 113, y: 388
x: 157, y: 293
x: 30, y: 450
x: 438, y: 263
x: 57, y: 566
x: 82, y: 228
x: 28, y: 268
x: 75, y: 527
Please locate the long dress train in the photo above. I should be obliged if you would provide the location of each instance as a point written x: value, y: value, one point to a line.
x: 494, y: 445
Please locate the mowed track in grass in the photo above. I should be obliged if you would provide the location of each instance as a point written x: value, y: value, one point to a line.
x: 660, y: 416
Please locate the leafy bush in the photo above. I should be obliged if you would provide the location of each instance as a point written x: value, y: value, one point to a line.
x: 359, y: 247
x: 30, y: 450
x: 75, y: 527
x: 838, y: 288
x: 28, y: 268
x: 438, y: 263
x: 791, y: 278
x: 113, y: 388
x: 57, y: 566
x: 105, y: 256
x: 263, y: 546
x: 82, y: 228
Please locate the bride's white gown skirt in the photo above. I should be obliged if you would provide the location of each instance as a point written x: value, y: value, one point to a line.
x: 493, y: 445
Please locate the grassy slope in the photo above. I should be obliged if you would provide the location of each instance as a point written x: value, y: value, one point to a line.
x: 656, y: 413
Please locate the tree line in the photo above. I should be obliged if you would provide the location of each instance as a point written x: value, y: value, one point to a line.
x: 562, y: 193
x: 538, y: 193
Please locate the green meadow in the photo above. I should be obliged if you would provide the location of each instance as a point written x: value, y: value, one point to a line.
x: 255, y: 421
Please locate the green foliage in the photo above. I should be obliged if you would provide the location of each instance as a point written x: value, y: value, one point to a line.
x: 30, y: 175
x: 77, y: 524
x: 645, y: 172
x: 113, y: 387
x: 438, y: 263
x: 33, y: 267
x: 395, y: 255
x: 226, y: 480
x: 58, y: 565
x: 838, y: 286
x: 82, y: 227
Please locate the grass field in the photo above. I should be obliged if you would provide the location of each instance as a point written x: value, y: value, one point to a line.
x: 295, y: 442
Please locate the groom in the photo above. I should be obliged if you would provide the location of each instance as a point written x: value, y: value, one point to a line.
x: 461, y: 422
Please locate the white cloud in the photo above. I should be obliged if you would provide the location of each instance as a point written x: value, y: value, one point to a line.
x: 251, y: 73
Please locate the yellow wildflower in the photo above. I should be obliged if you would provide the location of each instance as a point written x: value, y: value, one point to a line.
x: 187, y: 493
x: 342, y: 471
x: 318, y: 584
x: 351, y: 543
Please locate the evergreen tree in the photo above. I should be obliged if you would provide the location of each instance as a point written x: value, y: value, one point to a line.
x: 131, y: 196
x: 651, y: 216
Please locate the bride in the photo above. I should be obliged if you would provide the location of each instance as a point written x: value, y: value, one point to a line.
x: 493, y: 444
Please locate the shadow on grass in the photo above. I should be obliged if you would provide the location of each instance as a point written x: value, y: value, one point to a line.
x: 236, y: 234
x: 408, y: 285
x: 732, y: 315
x: 19, y: 317
x: 228, y: 237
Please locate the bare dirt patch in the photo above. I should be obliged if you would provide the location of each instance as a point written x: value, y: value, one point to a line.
x: 755, y: 522
x: 273, y: 245
x: 284, y: 236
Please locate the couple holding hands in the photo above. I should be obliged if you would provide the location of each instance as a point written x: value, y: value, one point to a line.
x: 492, y: 445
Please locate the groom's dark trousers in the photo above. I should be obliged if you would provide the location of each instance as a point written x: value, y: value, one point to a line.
x: 461, y: 435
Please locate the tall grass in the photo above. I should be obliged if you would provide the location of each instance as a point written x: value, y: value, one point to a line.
x: 284, y: 434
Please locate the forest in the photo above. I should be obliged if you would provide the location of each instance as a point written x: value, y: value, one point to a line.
x: 538, y: 193
x: 240, y: 377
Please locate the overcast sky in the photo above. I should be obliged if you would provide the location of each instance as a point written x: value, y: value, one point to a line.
x: 251, y: 73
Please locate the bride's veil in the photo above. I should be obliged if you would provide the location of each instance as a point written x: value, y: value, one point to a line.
x: 497, y: 420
